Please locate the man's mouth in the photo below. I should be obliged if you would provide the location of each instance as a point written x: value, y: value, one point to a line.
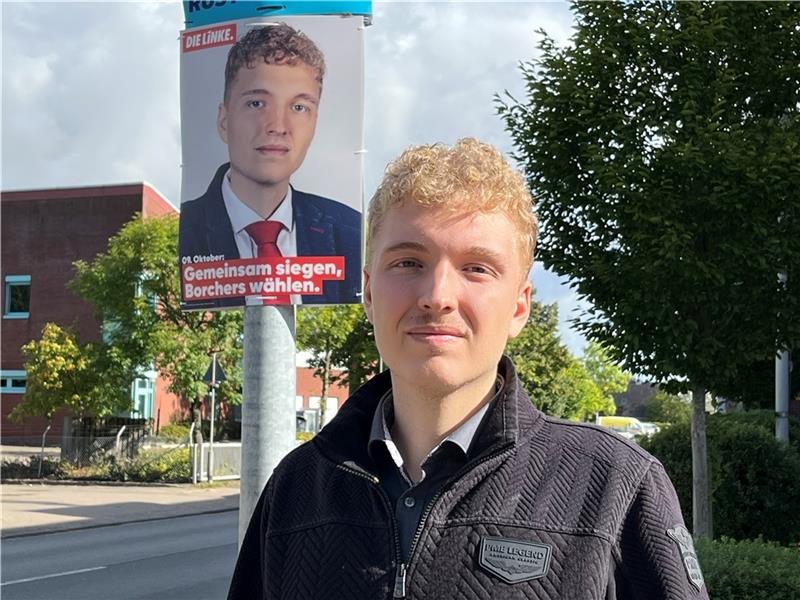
x: 272, y: 149
x: 435, y: 334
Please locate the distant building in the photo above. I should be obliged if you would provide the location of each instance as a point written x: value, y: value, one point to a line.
x: 631, y: 402
x: 43, y: 233
x: 307, y: 400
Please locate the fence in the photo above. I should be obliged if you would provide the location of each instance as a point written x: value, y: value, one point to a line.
x: 88, y: 440
x: 133, y: 447
x: 226, y: 461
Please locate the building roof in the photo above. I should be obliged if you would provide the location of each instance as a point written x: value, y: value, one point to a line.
x: 143, y: 188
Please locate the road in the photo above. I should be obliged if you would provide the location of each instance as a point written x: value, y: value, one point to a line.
x: 189, y: 557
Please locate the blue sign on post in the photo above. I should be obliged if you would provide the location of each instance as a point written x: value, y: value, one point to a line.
x: 204, y: 12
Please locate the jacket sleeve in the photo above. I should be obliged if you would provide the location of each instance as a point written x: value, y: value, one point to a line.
x: 655, y: 556
x: 248, y: 582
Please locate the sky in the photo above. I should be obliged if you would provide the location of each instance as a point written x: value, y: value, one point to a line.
x: 90, y: 91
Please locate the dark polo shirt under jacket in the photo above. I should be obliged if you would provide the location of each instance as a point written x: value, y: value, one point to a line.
x: 410, y: 500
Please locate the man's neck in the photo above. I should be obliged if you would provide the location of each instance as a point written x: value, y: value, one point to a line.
x: 262, y: 198
x: 422, y: 419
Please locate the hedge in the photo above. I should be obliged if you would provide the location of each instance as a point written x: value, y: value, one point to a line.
x: 755, y: 480
x: 749, y: 570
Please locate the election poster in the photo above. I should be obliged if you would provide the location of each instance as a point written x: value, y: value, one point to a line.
x: 272, y: 136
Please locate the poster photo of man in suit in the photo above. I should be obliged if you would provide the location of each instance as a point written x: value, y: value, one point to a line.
x: 255, y: 235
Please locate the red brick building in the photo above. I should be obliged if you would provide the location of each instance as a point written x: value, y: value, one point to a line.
x: 43, y: 233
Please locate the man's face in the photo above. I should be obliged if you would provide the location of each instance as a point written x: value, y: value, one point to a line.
x: 268, y: 121
x: 445, y: 293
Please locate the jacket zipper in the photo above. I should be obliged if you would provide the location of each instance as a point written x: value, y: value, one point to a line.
x: 402, y: 568
x: 400, y: 576
x: 429, y: 508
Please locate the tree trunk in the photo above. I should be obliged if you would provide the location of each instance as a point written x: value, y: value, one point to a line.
x: 701, y: 495
x: 197, y: 419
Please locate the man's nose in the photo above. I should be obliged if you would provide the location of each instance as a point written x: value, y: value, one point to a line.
x: 276, y: 122
x: 439, y: 289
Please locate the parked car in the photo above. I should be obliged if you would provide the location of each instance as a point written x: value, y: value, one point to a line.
x: 628, y: 427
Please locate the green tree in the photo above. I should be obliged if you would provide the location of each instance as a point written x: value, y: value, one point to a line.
x: 541, y: 360
x: 607, y: 374
x: 664, y: 407
x: 583, y: 397
x: 135, y: 289
x: 88, y: 379
x: 358, y: 354
x: 662, y: 146
x: 321, y: 331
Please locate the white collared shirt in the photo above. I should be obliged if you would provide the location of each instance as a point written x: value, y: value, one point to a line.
x: 242, y: 215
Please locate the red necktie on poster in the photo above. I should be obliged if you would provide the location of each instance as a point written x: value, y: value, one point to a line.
x: 265, y: 235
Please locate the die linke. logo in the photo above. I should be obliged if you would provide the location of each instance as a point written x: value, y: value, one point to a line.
x: 514, y: 561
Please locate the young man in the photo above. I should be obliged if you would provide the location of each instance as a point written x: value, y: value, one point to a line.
x: 439, y: 478
x: 273, y: 85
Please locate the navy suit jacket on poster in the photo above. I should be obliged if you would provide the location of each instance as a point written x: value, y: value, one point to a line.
x: 323, y: 227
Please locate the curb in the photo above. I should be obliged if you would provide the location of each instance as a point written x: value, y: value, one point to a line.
x: 45, y: 530
x: 105, y: 482
x: 46, y: 482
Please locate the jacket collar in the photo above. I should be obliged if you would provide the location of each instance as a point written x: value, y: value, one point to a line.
x: 510, y: 418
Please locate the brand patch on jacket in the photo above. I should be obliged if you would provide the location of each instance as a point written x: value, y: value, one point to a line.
x: 514, y: 561
x: 684, y: 539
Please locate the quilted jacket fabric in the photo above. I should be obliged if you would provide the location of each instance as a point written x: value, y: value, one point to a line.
x: 593, y: 510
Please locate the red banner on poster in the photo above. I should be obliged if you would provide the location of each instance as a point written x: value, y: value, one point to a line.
x: 224, y: 35
x: 260, y: 277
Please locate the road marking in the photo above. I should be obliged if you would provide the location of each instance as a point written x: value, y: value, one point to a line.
x: 51, y: 575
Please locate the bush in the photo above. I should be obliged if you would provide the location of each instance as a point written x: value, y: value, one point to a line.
x: 765, y: 419
x: 175, y: 432
x: 667, y: 408
x: 751, y: 570
x: 171, y: 465
x: 29, y: 469
x: 755, y: 488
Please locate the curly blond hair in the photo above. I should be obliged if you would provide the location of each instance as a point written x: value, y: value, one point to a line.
x: 470, y: 176
x: 275, y: 44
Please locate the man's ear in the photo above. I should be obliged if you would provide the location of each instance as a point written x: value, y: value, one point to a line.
x: 522, y: 309
x: 367, y: 296
x: 222, y: 122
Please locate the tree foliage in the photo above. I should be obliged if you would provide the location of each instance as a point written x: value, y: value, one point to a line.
x: 135, y: 290
x: 605, y: 373
x: 558, y: 383
x: 87, y: 378
x: 661, y: 146
x: 541, y: 359
x: 359, y: 354
x: 664, y: 407
x: 583, y: 397
x: 662, y: 149
x: 322, y: 331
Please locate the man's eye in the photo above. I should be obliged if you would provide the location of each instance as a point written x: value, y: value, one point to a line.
x: 477, y: 269
x: 255, y: 103
x: 300, y: 108
x: 406, y: 264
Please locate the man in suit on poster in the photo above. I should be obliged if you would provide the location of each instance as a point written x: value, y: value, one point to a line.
x: 273, y: 85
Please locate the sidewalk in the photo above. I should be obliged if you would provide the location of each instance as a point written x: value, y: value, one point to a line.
x: 31, y: 508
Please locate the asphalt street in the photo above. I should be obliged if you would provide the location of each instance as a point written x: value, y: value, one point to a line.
x: 187, y: 557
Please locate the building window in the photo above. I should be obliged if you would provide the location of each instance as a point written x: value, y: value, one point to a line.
x: 17, y: 297
x: 13, y: 382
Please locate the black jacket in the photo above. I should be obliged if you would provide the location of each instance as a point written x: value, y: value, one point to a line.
x: 324, y: 227
x: 548, y: 509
